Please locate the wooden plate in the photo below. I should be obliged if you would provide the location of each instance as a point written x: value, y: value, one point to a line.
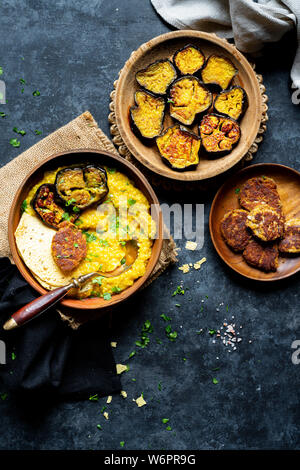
x: 101, y: 158
x: 165, y: 46
x: 288, y: 184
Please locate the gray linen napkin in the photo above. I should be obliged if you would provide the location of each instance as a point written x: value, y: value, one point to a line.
x: 250, y: 23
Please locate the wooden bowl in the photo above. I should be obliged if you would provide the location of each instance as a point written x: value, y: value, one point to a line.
x: 288, y: 184
x: 165, y: 46
x: 101, y: 158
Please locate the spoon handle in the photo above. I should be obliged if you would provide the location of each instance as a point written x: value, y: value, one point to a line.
x: 36, y: 307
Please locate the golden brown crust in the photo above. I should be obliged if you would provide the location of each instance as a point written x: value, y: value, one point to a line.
x: 218, y: 70
x: 266, y: 223
x: 179, y: 147
x: 68, y: 247
x: 234, y: 230
x: 260, y: 190
x: 219, y: 134
x: 291, y: 240
x: 264, y: 257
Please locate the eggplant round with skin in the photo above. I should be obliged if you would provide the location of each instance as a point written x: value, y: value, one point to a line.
x: 148, y: 115
x: 157, y: 77
x: 189, y: 60
x: 188, y: 97
x: 232, y: 103
x: 219, y: 134
x: 46, y: 207
x: 218, y: 70
x: 179, y: 148
x: 81, y: 187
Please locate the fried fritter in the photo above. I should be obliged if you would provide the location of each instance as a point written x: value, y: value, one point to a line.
x: 264, y: 257
x: 260, y: 190
x: 266, y: 223
x: 234, y: 230
x: 68, y: 247
x: 291, y: 240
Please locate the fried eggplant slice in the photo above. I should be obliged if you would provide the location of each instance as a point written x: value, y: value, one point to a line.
x: 188, y: 98
x: 46, y: 207
x: 266, y: 223
x: 232, y: 103
x: 291, y: 240
x: 68, y: 247
x: 218, y: 70
x: 189, y: 60
x: 219, y: 134
x: 234, y: 229
x: 264, y: 257
x: 179, y: 148
x: 81, y: 187
x: 260, y: 190
x: 157, y: 77
x: 148, y: 115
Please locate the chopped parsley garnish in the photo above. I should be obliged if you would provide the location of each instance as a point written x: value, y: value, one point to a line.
x: 99, y: 426
x: 111, y: 171
x: 36, y: 93
x: 172, y: 335
x: 76, y: 245
x: 122, y: 243
x: 131, y: 202
x: 15, y: 142
x: 24, y: 206
x: 215, y: 381
x: 159, y: 386
x: 133, y: 353
x: 103, y: 242
x: 115, y: 289
x: 3, y: 396
x: 178, y: 291
x: 123, y: 260
x: 13, y: 356
x: 90, y: 237
x: 22, y: 81
x: 146, y: 329
x: 97, y: 280
x: 170, y: 101
x: 37, y: 132
x: 2, y: 114
x: 19, y: 131
x: 94, y: 397
x: 177, y: 305
x: 159, y: 341
x: 1, y: 71
x: 103, y: 409
x: 165, y: 420
x: 212, y: 332
x: 106, y: 296
x: 122, y: 443
x: 70, y: 201
x: 168, y: 428
x: 66, y: 216
x: 76, y: 209
x: 164, y: 317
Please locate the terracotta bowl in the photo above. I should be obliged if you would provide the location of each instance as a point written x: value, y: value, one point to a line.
x: 165, y: 46
x: 101, y: 158
x: 288, y: 185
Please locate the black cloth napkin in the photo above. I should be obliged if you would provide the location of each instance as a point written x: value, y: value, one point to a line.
x: 46, y: 355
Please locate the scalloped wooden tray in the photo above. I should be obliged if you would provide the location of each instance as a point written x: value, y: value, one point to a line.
x: 165, y: 46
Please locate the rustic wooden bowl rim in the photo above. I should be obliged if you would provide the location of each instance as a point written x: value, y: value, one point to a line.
x: 88, y: 304
x: 129, y: 138
x: 211, y: 215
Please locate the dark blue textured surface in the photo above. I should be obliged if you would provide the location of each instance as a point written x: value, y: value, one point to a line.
x: 72, y: 53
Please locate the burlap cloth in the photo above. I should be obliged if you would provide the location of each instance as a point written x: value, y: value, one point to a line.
x: 82, y: 132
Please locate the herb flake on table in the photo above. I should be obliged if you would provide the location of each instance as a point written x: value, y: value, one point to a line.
x: 24, y: 206
x: 15, y: 143
x: 19, y: 131
x: 37, y: 132
x: 1, y: 71
x: 172, y: 335
x: 215, y: 381
x: 94, y: 397
x: 36, y: 93
x: 3, y: 115
x: 179, y: 291
x: 165, y: 317
x: 146, y: 329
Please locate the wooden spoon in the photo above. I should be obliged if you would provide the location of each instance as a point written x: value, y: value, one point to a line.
x: 42, y: 303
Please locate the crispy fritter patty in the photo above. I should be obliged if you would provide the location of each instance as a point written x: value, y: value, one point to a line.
x: 266, y: 223
x: 260, y: 190
x: 291, y: 240
x: 68, y: 247
x: 234, y: 230
x: 264, y: 257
